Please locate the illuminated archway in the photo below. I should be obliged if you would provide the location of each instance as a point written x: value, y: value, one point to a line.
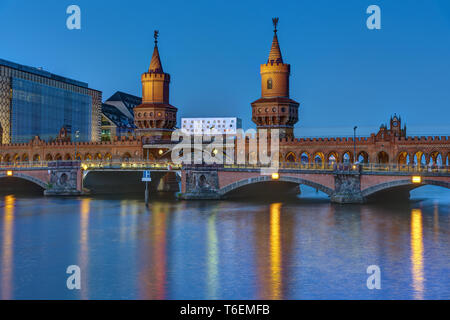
x: 7, y: 158
x: 347, y: 157
x: 363, y: 157
x: 16, y: 158
x: 48, y: 157
x: 290, y: 157
x: 333, y: 157
x: 403, y: 158
x: 382, y: 157
x: 87, y: 156
x: 67, y: 157
x: 107, y: 156
x: 126, y: 156
x: 98, y: 156
x: 58, y: 157
x: 319, y: 158
x: 36, y: 157
x: 419, y: 159
x: 304, y: 157
x: 25, y: 157
x: 435, y: 158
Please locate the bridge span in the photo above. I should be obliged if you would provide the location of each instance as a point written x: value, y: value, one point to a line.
x: 343, y: 183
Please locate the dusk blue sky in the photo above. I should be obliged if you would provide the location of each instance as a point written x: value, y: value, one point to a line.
x: 342, y: 73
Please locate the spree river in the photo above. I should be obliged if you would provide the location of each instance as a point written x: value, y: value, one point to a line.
x: 305, y: 248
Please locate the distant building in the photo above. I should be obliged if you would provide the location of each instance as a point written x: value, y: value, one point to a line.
x: 210, y: 125
x: 118, y: 115
x: 34, y: 102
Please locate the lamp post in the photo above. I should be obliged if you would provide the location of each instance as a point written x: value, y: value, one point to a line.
x: 354, y: 145
x: 77, y: 135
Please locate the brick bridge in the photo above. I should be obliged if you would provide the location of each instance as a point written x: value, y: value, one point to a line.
x: 342, y: 183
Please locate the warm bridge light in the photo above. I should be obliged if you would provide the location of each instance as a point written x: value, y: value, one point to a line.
x: 160, y: 151
x: 275, y: 176
x: 416, y: 179
x: 9, y: 173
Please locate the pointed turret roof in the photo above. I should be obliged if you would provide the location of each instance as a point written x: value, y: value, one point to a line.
x: 275, y: 52
x: 155, y: 63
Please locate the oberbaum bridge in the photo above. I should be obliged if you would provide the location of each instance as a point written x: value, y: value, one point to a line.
x: 348, y: 170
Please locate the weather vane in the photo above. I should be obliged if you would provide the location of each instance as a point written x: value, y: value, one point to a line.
x: 155, y: 35
x: 275, y: 22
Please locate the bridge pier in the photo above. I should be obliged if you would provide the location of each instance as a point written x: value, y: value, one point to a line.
x: 347, y: 188
x: 65, y: 180
x: 200, y: 185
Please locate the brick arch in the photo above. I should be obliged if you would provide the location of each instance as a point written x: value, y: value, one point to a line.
x: 365, y: 156
x: 332, y: 153
x: 290, y: 157
x: 403, y: 158
x: 320, y: 154
x: 23, y: 176
x: 350, y: 156
x: 306, y: 153
x: 402, y: 183
x: 263, y: 178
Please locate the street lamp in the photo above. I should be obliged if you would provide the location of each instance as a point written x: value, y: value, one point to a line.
x: 354, y: 145
x: 77, y: 135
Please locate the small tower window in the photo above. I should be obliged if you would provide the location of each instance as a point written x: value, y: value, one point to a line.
x: 269, y: 83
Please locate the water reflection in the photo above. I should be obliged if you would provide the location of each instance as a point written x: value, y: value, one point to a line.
x: 153, y: 273
x: 275, y: 251
x: 222, y: 249
x: 212, y: 258
x: 83, y: 255
x: 7, y: 247
x: 417, y: 253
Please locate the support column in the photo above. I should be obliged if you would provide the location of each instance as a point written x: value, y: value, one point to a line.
x: 347, y: 188
x: 200, y: 185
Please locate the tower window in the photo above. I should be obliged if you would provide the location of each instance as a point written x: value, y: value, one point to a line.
x: 269, y: 83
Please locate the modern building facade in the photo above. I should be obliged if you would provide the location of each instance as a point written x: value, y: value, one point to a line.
x: 34, y: 102
x: 118, y: 116
x: 211, y: 126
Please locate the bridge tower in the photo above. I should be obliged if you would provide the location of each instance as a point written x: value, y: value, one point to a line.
x: 275, y: 110
x: 155, y: 116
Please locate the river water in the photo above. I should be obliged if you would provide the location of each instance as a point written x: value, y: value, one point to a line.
x: 305, y: 248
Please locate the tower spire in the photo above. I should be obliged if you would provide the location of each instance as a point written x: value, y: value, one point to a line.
x: 275, y: 52
x: 155, y: 63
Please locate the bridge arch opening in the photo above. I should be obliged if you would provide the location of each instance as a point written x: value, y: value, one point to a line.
x: 67, y: 157
x: 48, y: 157
x: 25, y: 157
x: 266, y: 187
x: 21, y: 184
x: 400, y: 189
x: 36, y: 157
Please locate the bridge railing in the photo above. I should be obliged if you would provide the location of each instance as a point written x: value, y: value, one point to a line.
x: 167, y: 165
x: 132, y: 164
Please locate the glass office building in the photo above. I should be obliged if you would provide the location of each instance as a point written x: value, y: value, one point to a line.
x: 41, y: 110
x: 34, y: 102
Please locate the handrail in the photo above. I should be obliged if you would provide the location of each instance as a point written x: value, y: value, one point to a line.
x: 156, y: 164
